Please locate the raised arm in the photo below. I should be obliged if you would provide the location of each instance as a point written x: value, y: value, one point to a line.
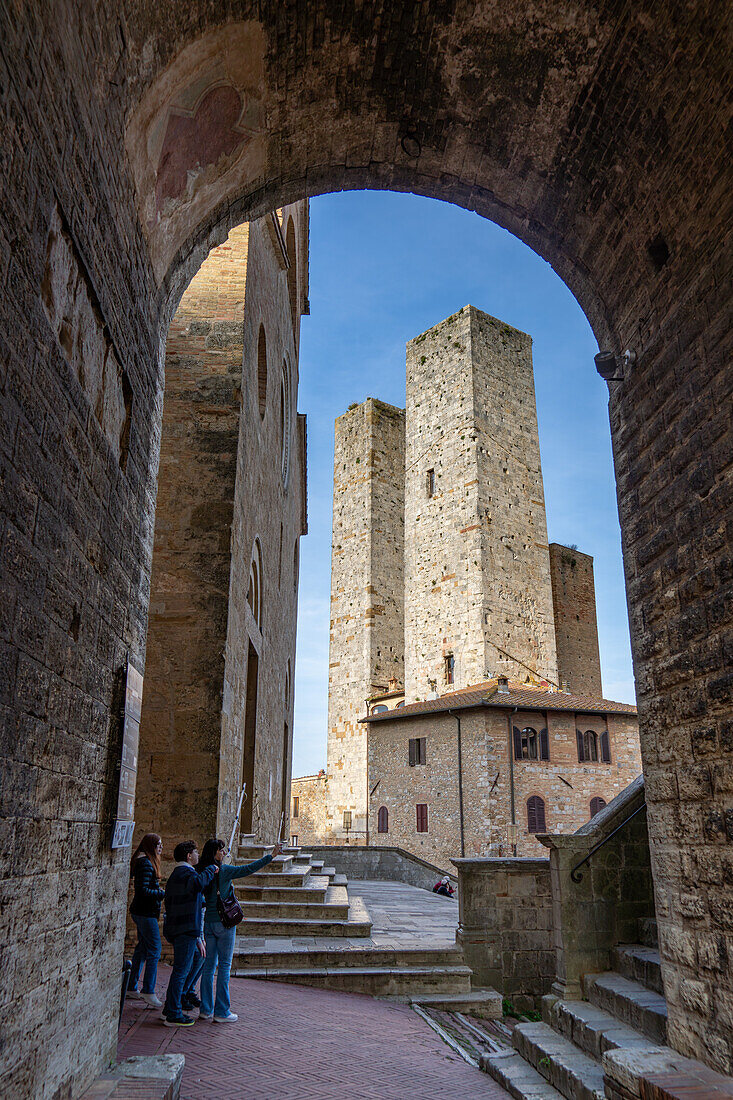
x: 250, y: 868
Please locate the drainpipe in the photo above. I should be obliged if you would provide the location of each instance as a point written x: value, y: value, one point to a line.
x: 511, y: 769
x: 460, y: 782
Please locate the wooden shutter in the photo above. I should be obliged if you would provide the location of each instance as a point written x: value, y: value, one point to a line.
x: 581, y: 749
x: 422, y: 817
x: 517, y: 743
x: 421, y: 750
x: 596, y: 805
x: 383, y: 822
x: 544, y: 745
x: 412, y: 752
x: 535, y: 814
x: 605, y: 748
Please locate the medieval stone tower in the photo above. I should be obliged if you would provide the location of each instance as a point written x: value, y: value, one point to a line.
x: 478, y: 597
x: 442, y: 577
x: 367, y: 595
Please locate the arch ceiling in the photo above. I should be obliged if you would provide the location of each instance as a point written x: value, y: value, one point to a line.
x: 589, y: 131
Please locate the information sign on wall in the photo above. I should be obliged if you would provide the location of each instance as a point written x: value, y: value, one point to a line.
x: 124, y: 821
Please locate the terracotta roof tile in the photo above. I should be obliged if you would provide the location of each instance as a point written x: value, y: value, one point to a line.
x: 519, y: 695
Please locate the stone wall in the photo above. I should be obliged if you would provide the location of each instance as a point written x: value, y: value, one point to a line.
x: 505, y: 926
x: 614, y: 892
x: 565, y: 785
x: 309, y: 825
x: 477, y: 571
x: 576, y: 626
x: 366, y: 639
x: 381, y: 864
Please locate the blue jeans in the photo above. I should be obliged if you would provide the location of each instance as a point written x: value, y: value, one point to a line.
x: 189, y: 986
x: 219, y: 951
x: 184, y: 952
x: 147, y: 949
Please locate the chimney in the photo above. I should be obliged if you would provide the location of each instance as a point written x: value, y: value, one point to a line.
x: 502, y: 685
x: 394, y: 683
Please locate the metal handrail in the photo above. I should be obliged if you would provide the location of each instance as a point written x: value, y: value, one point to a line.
x: 575, y: 872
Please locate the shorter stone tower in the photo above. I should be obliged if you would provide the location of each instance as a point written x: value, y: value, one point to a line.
x: 367, y: 597
x: 576, y: 628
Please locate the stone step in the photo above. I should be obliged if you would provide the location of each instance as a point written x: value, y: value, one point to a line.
x: 519, y: 1079
x: 265, y: 877
x: 486, y: 1004
x: 338, y: 880
x: 648, y: 932
x: 377, y: 981
x: 356, y: 925
x: 280, y: 865
x: 630, y: 1002
x: 343, y: 956
x: 640, y: 963
x: 333, y: 906
x: 574, y: 1074
x: 256, y: 892
x: 590, y: 1028
x: 247, y: 853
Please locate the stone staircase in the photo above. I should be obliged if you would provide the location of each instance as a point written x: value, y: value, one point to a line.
x: 301, y: 926
x: 561, y: 1055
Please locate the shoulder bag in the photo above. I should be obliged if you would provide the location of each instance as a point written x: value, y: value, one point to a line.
x: 229, y: 909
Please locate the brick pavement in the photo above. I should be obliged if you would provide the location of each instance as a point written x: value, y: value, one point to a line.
x: 295, y: 1043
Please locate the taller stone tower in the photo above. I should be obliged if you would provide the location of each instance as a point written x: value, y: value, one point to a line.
x: 367, y: 597
x: 478, y: 596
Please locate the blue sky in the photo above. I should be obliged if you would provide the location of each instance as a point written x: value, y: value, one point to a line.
x: 383, y: 268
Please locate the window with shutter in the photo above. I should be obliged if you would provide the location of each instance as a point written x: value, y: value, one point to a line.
x: 296, y: 806
x: 421, y: 750
x: 590, y: 746
x: 535, y: 814
x: 605, y: 748
x: 517, y: 743
x: 544, y: 745
x: 581, y: 746
x: 347, y: 819
x: 383, y: 820
x: 596, y: 805
x: 529, y: 743
x: 422, y: 817
x: 412, y: 752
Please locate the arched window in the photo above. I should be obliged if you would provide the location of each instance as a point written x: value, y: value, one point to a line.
x: 292, y: 270
x: 536, y: 814
x: 596, y: 805
x: 379, y: 708
x: 285, y: 422
x: 254, y: 591
x: 587, y: 746
x: 528, y: 745
x: 383, y: 820
x: 400, y: 704
x: 262, y: 371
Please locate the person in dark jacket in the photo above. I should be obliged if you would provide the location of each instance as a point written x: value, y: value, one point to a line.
x: 184, y: 910
x: 145, y: 911
x: 444, y: 887
x: 220, y: 940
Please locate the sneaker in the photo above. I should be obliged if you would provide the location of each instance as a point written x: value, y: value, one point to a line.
x: 190, y: 1001
x: 230, y: 1019
x: 205, y: 1016
x: 151, y: 999
x: 178, y: 1021
x: 133, y: 995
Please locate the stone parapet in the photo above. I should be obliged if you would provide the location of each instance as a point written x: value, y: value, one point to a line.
x: 612, y: 894
x: 505, y: 926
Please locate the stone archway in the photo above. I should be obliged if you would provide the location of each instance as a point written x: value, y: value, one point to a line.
x: 596, y: 136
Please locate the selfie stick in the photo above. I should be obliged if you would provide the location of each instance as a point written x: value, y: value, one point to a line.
x: 280, y: 831
x: 236, y: 819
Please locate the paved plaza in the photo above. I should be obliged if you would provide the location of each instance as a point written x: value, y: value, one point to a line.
x: 293, y: 1043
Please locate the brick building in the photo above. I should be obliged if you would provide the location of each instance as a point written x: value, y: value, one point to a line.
x: 450, y: 776
x: 442, y: 579
x: 217, y: 707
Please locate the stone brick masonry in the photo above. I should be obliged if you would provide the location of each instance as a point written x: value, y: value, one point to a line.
x: 603, y: 146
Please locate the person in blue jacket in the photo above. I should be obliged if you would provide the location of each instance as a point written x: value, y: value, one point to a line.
x: 220, y: 940
x: 145, y: 910
x: 182, y: 925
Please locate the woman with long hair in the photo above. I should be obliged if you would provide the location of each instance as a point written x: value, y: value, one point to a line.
x: 220, y: 940
x: 145, y: 911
